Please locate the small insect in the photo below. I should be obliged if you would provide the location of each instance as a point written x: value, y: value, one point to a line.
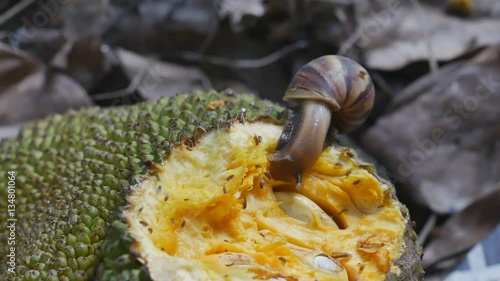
x: 413, y: 224
x: 241, y: 116
x: 153, y: 168
x: 361, y: 267
x: 216, y: 104
x: 257, y: 139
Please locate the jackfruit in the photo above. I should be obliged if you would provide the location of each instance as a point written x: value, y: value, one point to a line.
x: 179, y: 189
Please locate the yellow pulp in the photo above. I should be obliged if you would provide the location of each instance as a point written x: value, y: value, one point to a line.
x: 211, y: 212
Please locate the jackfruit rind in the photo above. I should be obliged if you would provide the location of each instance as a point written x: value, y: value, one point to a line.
x: 73, y: 171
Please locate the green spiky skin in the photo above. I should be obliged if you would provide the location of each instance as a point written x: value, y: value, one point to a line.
x: 73, y: 173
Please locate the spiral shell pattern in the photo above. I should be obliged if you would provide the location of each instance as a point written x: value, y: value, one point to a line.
x: 341, y: 83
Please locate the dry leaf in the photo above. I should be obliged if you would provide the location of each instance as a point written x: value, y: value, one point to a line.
x: 236, y: 9
x: 84, y: 60
x: 30, y: 91
x: 442, y: 142
x: 464, y: 229
x: 39, y: 95
x: 397, y: 36
x: 14, y: 66
x: 160, y: 79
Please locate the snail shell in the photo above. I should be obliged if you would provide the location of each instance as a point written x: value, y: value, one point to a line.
x: 341, y: 83
x: 329, y: 90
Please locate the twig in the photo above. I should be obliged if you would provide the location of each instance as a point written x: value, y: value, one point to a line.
x: 349, y: 42
x: 14, y: 10
x: 209, y: 38
x: 354, y: 37
x: 433, y: 66
x: 424, y: 83
x: 426, y: 230
x: 455, y: 254
x: 244, y: 63
x: 206, y: 83
x: 380, y: 81
x: 134, y: 84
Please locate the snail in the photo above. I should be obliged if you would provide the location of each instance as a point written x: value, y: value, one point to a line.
x: 333, y: 94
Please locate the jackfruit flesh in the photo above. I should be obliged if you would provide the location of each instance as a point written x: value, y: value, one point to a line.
x: 179, y: 189
x: 213, y: 211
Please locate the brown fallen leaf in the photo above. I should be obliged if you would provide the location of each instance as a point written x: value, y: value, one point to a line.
x: 29, y: 90
x: 14, y: 66
x: 236, y: 9
x: 401, y: 34
x: 84, y: 60
x: 39, y: 95
x: 440, y: 142
x: 156, y: 79
x: 464, y: 229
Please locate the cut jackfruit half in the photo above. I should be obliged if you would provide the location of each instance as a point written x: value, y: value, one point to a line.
x: 213, y: 212
x: 179, y: 189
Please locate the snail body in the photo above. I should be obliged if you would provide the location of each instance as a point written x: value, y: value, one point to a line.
x: 332, y: 93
